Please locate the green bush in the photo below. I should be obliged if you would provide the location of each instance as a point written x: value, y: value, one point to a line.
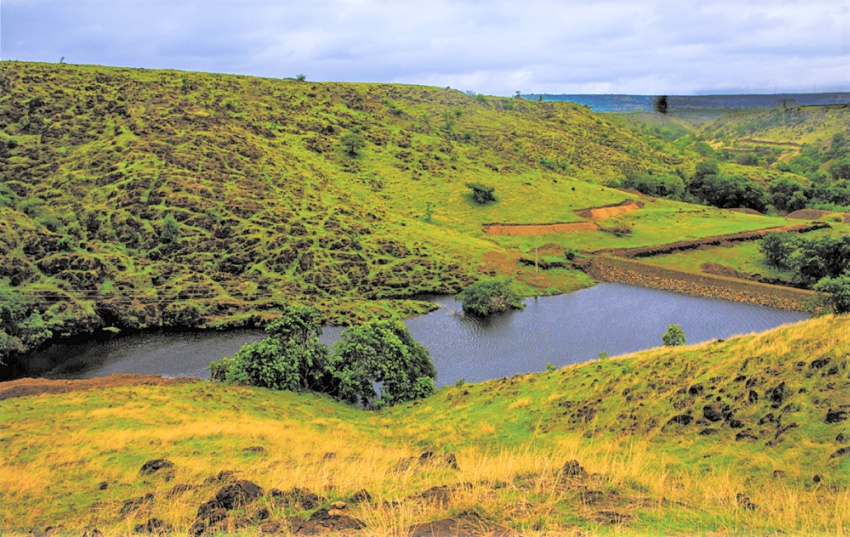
x: 292, y: 358
x: 352, y: 143
x: 835, y: 292
x: 674, y: 336
x: 482, y: 193
x: 490, y: 296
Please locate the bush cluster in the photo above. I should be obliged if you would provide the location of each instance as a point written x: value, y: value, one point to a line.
x: 292, y: 358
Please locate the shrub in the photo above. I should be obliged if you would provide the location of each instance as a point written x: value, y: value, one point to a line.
x: 482, y: 193
x: 381, y: 352
x: 490, y: 296
x: 170, y: 230
x: 674, y: 336
x: 352, y: 143
x: 835, y: 292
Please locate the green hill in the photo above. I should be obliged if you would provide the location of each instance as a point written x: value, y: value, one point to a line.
x: 133, y: 198
x: 746, y: 436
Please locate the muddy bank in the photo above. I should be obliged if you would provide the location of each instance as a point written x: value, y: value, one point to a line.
x: 607, y: 211
x: 604, y: 268
x: 717, y: 240
x: 27, y: 387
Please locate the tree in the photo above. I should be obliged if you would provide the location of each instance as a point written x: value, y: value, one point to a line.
x: 352, y: 143
x: 381, y: 352
x: 674, y: 336
x: 490, y: 296
x: 482, y: 193
x: 840, y: 169
x: 835, y: 292
x: 291, y: 358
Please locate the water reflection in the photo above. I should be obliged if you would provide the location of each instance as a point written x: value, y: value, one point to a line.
x: 562, y: 330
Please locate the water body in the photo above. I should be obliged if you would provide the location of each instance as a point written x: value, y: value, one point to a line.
x: 562, y: 330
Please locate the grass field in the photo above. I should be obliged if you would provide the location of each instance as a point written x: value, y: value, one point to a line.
x: 743, y: 464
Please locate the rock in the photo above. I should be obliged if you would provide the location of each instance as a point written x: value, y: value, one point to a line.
x: 840, y: 453
x: 817, y: 478
x: 572, y: 468
x: 682, y: 419
x: 745, y: 503
x: 778, y: 474
x: 261, y: 514
x: 696, y: 390
x: 360, y: 496
x: 429, y: 457
x: 255, y: 449
x: 834, y: 416
x: 153, y: 525
x: 134, y: 503
x: 328, y: 456
x: 325, y: 521
x: 819, y: 363
x: 841, y: 438
x: 156, y: 465
x: 103, y: 485
x: 712, y: 412
x: 778, y: 395
x: 708, y: 432
x: 746, y: 435
x: 297, y: 498
x: 736, y: 424
x: 238, y: 494
x: 92, y: 532
x: 222, y: 476
x: 753, y: 397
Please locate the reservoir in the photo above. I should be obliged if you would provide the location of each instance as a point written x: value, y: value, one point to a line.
x: 561, y: 330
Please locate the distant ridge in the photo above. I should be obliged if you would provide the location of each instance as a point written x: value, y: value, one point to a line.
x: 645, y: 103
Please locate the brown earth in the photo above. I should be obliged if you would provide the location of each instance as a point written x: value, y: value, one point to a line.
x: 29, y: 386
x: 807, y: 214
x: 607, y: 211
x: 719, y: 270
x: 538, y: 229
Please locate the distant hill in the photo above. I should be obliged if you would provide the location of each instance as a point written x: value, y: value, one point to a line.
x: 645, y: 103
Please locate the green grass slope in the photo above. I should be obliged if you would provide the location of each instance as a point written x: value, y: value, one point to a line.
x: 133, y: 198
x: 747, y: 436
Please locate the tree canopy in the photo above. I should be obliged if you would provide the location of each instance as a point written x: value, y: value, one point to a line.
x: 490, y: 296
x: 292, y: 358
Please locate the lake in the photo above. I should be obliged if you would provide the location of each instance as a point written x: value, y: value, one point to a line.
x: 565, y: 329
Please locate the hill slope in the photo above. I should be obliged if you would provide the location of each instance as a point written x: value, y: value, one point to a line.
x: 133, y: 199
x: 741, y: 437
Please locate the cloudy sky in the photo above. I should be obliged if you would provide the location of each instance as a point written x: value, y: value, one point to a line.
x: 487, y: 46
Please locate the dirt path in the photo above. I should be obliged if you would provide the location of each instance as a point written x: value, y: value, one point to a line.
x: 28, y: 386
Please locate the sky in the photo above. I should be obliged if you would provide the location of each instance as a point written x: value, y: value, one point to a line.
x: 484, y: 46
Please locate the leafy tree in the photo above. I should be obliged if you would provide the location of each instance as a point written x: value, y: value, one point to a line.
x: 490, y: 296
x: 674, y: 336
x: 840, y: 169
x: 835, y: 292
x: 291, y: 358
x: 381, y: 352
x: 776, y: 248
x: 352, y: 143
x: 482, y: 193
x: 787, y: 194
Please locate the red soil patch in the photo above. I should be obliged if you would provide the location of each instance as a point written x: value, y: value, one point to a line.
x: 607, y: 211
x: 538, y: 229
x: 28, y: 387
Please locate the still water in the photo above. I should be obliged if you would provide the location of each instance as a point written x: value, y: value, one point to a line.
x: 566, y: 329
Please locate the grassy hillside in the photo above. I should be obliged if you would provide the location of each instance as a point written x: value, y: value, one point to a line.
x: 746, y: 436
x: 133, y: 198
